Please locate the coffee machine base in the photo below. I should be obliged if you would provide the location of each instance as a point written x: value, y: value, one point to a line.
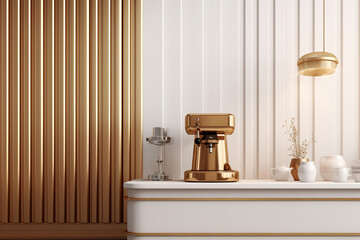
x: 211, y: 176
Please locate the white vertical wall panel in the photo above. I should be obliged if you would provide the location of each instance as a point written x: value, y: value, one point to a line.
x: 153, y: 78
x: 239, y: 56
x: 356, y: 60
x: 327, y: 102
x: 173, y: 117
x: 192, y: 73
x: 306, y: 90
x: 350, y: 79
x: 230, y: 75
x: 280, y: 82
x: 211, y: 53
x: 251, y: 89
x: 318, y: 46
x: 266, y: 87
x: 292, y: 56
x: 240, y: 121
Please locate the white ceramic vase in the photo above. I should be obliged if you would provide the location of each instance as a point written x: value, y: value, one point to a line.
x: 307, y: 172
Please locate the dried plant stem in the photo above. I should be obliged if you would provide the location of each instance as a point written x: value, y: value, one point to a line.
x: 297, y: 149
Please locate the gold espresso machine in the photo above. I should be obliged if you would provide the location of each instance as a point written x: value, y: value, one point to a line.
x: 210, y: 157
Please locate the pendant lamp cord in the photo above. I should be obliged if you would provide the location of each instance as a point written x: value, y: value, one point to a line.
x: 323, y: 25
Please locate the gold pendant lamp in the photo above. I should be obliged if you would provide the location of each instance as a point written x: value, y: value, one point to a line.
x: 318, y: 63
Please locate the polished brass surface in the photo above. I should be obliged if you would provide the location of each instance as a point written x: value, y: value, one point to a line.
x: 131, y: 87
x: 211, y: 176
x: 70, y: 109
x: 221, y: 123
x: 317, y: 64
x: 295, y: 163
x: 210, y: 156
x: 204, y: 160
x: 318, y: 56
x: 4, y: 111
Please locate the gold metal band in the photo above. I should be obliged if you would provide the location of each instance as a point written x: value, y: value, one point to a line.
x: 243, y: 199
x: 211, y: 176
x: 242, y: 234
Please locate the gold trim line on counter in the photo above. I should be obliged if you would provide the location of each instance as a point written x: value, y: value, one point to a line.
x: 243, y: 199
x: 242, y: 234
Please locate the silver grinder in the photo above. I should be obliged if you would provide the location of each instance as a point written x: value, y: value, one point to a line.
x: 160, y: 139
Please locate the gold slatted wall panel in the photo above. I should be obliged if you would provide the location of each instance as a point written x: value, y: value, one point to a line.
x: 70, y: 116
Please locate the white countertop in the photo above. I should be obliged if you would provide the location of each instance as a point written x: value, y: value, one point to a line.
x: 248, y: 206
x: 242, y: 184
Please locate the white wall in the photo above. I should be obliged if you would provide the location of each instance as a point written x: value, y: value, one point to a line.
x: 239, y: 56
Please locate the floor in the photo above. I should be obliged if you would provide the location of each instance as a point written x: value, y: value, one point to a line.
x: 63, y: 231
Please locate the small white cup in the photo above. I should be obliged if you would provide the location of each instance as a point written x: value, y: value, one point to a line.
x: 341, y: 174
x: 281, y: 173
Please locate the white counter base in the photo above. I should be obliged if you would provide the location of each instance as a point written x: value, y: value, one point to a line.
x: 262, y: 209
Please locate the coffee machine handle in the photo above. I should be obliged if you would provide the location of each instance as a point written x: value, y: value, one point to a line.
x: 197, y: 139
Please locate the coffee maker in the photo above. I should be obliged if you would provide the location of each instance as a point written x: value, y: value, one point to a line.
x: 210, y: 161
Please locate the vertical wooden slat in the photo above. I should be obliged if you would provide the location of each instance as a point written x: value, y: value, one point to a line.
x: 14, y: 110
x: 59, y: 109
x: 126, y: 97
x: 4, y: 111
x: 82, y: 109
x: 25, y: 111
x: 93, y: 111
x: 116, y: 174
x: 138, y: 88
x: 48, y: 111
x: 37, y: 109
x: 132, y: 91
x: 70, y: 114
x: 104, y: 111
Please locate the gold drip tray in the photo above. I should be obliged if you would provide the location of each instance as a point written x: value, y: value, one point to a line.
x: 211, y: 176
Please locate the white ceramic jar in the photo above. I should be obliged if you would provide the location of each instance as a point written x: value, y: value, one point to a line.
x: 328, y: 164
x: 307, y: 172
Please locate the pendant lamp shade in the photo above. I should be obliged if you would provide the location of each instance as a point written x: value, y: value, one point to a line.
x: 317, y: 64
